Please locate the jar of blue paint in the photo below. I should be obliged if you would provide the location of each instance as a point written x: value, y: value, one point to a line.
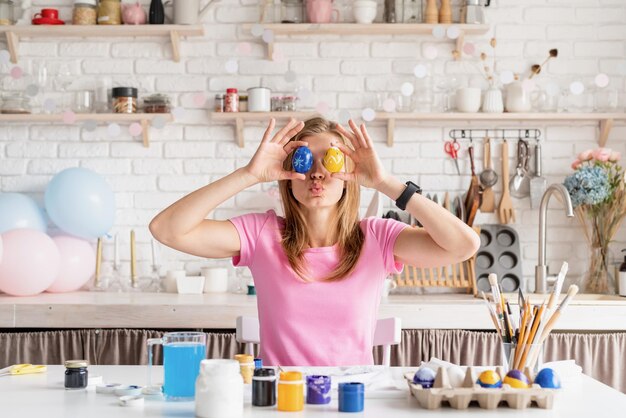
x: 351, y: 397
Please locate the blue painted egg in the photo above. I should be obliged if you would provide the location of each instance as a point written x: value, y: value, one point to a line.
x: 424, y: 377
x: 547, y: 378
x: 302, y: 160
x: 489, y: 379
x: 517, y: 380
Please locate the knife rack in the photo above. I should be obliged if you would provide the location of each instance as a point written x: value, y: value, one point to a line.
x: 456, y: 276
x: 513, y: 133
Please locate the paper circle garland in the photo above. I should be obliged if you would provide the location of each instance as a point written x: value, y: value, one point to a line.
x: 5, y: 56
x: 244, y: 48
x: 389, y: 105
x: 430, y: 52
x: 344, y: 116
x: 256, y: 30
x: 407, y: 89
x: 602, y: 80
x: 158, y: 122
x: 90, y: 125
x: 16, y: 72
x: 114, y: 130
x: 69, y: 117
x: 577, y: 88
x: 507, y: 77
x: 290, y: 76
x: 231, y: 66
x: 368, y: 114
x: 199, y: 99
x: 135, y: 129
x: 420, y: 71
x: 469, y: 48
x: 453, y: 32
x: 439, y: 32
x: 268, y: 36
x: 178, y: 113
x: 32, y: 90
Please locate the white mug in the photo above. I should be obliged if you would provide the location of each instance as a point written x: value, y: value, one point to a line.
x: 259, y: 99
x: 364, y: 11
x: 216, y: 279
x: 170, y: 279
x: 468, y: 99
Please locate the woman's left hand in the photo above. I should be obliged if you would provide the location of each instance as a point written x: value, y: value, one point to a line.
x: 368, y: 170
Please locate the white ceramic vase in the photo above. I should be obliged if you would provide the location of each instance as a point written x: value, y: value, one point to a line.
x: 492, y: 101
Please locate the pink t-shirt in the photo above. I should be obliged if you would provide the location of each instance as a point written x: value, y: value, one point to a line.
x: 316, y: 323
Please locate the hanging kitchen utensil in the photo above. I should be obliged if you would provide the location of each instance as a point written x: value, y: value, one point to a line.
x: 459, y: 209
x: 452, y: 149
x: 446, y: 201
x: 538, y: 182
x: 474, y: 193
x: 520, y: 183
x: 506, y: 213
x: 436, y: 198
x: 488, y: 179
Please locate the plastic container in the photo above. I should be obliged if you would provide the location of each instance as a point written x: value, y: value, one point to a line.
x: 219, y: 389
x: 190, y: 285
x: 231, y: 101
x: 318, y: 390
x: 351, y: 397
x: 85, y: 12
x: 76, y: 374
x: 290, y: 392
x: 264, y: 387
x: 124, y: 99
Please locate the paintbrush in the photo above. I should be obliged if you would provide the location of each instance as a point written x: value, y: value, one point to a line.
x: 495, y: 289
x: 558, y: 285
x: 492, y: 313
x: 531, y: 337
x: 133, y: 270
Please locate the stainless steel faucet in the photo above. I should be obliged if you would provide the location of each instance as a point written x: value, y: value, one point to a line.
x: 542, y: 278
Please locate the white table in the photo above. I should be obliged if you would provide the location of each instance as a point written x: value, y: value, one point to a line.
x: 44, y: 396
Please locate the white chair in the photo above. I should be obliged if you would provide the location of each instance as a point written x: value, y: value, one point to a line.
x: 387, y: 333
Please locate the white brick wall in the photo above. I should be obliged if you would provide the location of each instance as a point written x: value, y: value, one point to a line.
x: 345, y: 72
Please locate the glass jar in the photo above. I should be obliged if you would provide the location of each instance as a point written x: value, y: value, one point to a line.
x: 6, y: 12
x: 156, y: 103
x: 76, y: 375
x: 276, y: 104
x: 84, y: 12
x: 124, y: 99
x: 16, y: 104
x: 292, y: 11
x: 231, y: 101
x: 109, y: 12
x: 243, y: 103
x: 289, y: 103
x: 219, y: 103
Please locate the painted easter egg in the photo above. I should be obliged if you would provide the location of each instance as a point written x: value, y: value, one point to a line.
x: 547, y: 378
x: 517, y: 380
x: 425, y: 377
x: 489, y: 379
x: 302, y: 160
x: 456, y: 376
x: 333, y: 160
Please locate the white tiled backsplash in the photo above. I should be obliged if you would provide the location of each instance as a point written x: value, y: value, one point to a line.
x: 345, y: 72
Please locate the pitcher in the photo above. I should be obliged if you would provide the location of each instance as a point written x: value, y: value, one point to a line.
x: 182, y: 354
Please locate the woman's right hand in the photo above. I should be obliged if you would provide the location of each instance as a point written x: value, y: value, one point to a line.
x: 267, y: 163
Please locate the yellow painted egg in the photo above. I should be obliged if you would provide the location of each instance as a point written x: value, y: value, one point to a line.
x: 333, y: 160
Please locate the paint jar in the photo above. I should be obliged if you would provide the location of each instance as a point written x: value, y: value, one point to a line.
x: 290, y: 392
x: 258, y: 363
x: 76, y: 375
x: 351, y: 397
x: 318, y: 390
x: 231, y: 101
x: 219, y: 389
x: 246, y: 363
x: 264, y: 387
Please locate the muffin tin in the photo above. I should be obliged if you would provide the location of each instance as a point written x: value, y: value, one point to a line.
x: 471, y: 393
x: 499, y: 253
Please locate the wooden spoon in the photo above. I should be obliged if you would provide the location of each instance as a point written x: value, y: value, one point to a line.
x: 506, y: 212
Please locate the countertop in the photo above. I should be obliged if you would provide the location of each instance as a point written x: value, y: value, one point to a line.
x: 219, y: 310
x: 43, y: 395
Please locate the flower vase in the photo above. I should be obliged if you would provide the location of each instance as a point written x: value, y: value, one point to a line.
x: 492, y: 102
x: 598, y: 278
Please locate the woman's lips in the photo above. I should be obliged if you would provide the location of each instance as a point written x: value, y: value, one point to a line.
x: 316, y: 189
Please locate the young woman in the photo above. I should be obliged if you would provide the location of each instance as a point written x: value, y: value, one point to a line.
x: 319, y: 270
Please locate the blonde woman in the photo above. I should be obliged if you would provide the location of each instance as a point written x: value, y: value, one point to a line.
x: 319, y: 270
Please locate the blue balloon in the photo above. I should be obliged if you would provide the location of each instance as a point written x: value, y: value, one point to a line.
x: 81, y: 203
x: 302, y: 160
x: 20, y: 211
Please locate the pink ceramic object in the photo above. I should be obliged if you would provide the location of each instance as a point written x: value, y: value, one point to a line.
x: 133, y: 14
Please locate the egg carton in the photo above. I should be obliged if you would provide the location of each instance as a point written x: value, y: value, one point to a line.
x: 487, y: 398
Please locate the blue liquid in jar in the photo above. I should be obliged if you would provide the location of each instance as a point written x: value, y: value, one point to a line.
x: 182, y: 366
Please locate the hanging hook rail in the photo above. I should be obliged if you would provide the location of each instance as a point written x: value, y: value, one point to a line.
x: 513, y: 133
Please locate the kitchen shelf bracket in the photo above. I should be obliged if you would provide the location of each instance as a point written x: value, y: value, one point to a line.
x: 175, y: 39
x: 605, y: 129
x: 13, y: 43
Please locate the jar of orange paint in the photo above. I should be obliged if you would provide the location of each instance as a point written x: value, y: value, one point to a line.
x: 290, y: 392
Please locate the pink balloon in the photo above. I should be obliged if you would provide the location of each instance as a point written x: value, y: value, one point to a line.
x: 30, y: 262
x: 78, y: 264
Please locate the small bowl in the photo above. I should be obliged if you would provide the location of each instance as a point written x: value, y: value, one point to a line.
x: 190, y: 285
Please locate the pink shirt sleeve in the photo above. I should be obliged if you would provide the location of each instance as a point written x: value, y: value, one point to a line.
x: 249, y: 228
x: 386, y: 232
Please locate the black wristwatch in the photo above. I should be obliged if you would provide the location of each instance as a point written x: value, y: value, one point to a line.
x: 411, y: 189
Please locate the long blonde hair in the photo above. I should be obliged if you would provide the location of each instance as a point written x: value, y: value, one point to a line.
x: 295, y: 235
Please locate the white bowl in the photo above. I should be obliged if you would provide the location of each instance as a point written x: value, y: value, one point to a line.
x: 190, y: 284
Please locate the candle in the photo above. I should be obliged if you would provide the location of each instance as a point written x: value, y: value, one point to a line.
x: 116, y: 263
x: 133, y: 273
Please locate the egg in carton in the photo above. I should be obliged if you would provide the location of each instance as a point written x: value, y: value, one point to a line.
x: 487, y: 398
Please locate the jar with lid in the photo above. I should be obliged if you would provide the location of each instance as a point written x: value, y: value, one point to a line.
x: 85, y: 12
x: 231, y: 101
x: 124, y: 99
x: 219, y: 389
x: 218, y: 105
x: 292, y: 11
x: 109, y: 12
x: 6, y: 13
x: 76, y: 375
x: 289, y: 103
x: 16, y: 103
x: 156, y: 103
x: 243, y: 103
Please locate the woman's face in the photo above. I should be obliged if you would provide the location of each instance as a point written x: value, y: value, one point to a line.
x: 319, y: 189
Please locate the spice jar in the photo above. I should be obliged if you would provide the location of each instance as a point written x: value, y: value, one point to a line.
x: 109, y: 12
x: 84, y: 12
x: 231, y: 101
x: 264, y: 387
x: 76, y: 375
x: 291, y: 392
x: 156, y: 103
x: 243, y: 103
x: 219, y: 389
x: 6, y: 12
x: 246, y: 364
x: 289, y: 103
x: 219, y: 103
x: 124, y: 99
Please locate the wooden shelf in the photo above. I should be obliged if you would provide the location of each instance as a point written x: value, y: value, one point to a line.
x: 373, y: 29
x: 605, y: 120
x: 143, y: 118
x: 175, y: 32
